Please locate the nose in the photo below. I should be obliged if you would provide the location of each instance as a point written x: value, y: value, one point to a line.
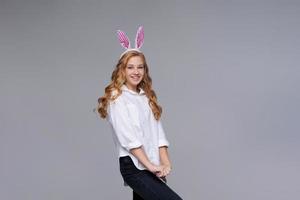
x: 136, y: 71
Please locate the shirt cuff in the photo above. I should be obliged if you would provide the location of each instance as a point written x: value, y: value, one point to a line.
x: 133, y: 145
x: 163, y: 142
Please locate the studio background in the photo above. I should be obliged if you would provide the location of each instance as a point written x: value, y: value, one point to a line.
x: 226, y: 73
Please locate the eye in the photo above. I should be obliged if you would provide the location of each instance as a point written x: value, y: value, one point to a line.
x: 129, y: 67
x: 141, y: 67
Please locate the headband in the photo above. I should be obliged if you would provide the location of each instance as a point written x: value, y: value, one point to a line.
x: 124, y: 41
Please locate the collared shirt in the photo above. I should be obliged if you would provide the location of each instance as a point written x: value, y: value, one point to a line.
x: 134, y: 125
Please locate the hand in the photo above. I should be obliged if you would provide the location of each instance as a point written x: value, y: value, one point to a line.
x: 166, y: 169
x: 155, y: 169
x: 160, y: 171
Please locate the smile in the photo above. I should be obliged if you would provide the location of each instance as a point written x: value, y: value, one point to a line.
x: 135, y: 77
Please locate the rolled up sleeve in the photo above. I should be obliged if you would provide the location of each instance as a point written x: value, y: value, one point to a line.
x: 123, y: 128
x: 162, y: 140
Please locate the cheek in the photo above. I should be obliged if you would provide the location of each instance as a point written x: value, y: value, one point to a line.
x: 126, y: 75
x: 127, y: 72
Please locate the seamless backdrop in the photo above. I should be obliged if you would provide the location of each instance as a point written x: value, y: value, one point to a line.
x: 226, y: 73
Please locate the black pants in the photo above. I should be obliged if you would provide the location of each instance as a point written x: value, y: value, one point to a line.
x: 145, y: 185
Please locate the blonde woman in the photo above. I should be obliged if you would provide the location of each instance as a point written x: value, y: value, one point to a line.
x: 130, y: 106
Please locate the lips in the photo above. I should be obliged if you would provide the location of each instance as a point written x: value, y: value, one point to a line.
x: 135, y: 78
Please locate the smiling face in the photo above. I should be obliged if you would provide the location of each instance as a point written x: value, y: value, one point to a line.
x: 134, y: 72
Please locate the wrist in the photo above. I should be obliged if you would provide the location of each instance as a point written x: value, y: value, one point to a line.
x: 166, y: 163
x: 149, y: 166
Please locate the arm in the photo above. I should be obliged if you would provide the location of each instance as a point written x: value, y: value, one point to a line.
x: 163, y: 151
x: 124, y: 131
x: 164, y: 156
x: 163, y: 144
x: 142, y: 157
x: 165, y: 161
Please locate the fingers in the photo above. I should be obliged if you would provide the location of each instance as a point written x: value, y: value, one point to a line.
x: 163, y: 171
x: 166, y: 171
x: 155, y: 169
x: 159, y: 171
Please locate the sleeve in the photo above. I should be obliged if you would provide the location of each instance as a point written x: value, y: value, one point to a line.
x: 123, y: 128
x: 162, y: 140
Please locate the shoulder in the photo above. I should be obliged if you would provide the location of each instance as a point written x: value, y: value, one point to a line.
x: 116, y: 95
x: 116, y: 98
x: 114, y: 92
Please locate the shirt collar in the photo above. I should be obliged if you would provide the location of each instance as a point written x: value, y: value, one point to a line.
x: 125, y: 88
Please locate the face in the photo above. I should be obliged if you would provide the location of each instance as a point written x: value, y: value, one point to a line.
x: 134, y: 72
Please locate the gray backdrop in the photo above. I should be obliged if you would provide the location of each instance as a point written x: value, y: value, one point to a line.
x: 226, y: 73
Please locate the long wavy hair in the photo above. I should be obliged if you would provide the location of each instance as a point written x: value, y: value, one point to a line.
x: 118, y: 79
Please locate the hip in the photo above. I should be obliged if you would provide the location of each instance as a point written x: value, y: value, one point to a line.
x: 130, y: 172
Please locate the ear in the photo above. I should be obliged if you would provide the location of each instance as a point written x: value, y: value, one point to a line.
x: 139, y: 38
x: 124, y: 41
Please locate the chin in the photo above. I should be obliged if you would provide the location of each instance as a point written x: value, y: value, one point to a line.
x: 135, y: 83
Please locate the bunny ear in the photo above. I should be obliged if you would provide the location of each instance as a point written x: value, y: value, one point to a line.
x: 139, y: 38
x: 124, y: 41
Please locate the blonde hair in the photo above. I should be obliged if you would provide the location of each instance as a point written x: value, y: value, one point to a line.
x: 118, y: 79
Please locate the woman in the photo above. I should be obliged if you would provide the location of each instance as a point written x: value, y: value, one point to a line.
x: 130, y: 106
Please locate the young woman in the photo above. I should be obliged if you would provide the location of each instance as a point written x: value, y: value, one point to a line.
x: 130, y: 106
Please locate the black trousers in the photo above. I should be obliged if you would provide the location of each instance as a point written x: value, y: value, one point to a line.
x: 145, y: 185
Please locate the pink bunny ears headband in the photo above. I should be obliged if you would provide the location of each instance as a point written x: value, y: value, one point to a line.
x: 124, y: 41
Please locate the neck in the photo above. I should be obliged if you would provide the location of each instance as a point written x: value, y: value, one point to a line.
x: 130, y: 87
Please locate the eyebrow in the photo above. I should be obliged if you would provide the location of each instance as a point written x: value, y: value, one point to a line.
x: 137, y: 65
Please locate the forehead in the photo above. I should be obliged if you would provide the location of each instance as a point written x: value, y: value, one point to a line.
x: 135, y: 60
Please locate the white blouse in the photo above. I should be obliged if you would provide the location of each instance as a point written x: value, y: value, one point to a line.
x: 134, y: 125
